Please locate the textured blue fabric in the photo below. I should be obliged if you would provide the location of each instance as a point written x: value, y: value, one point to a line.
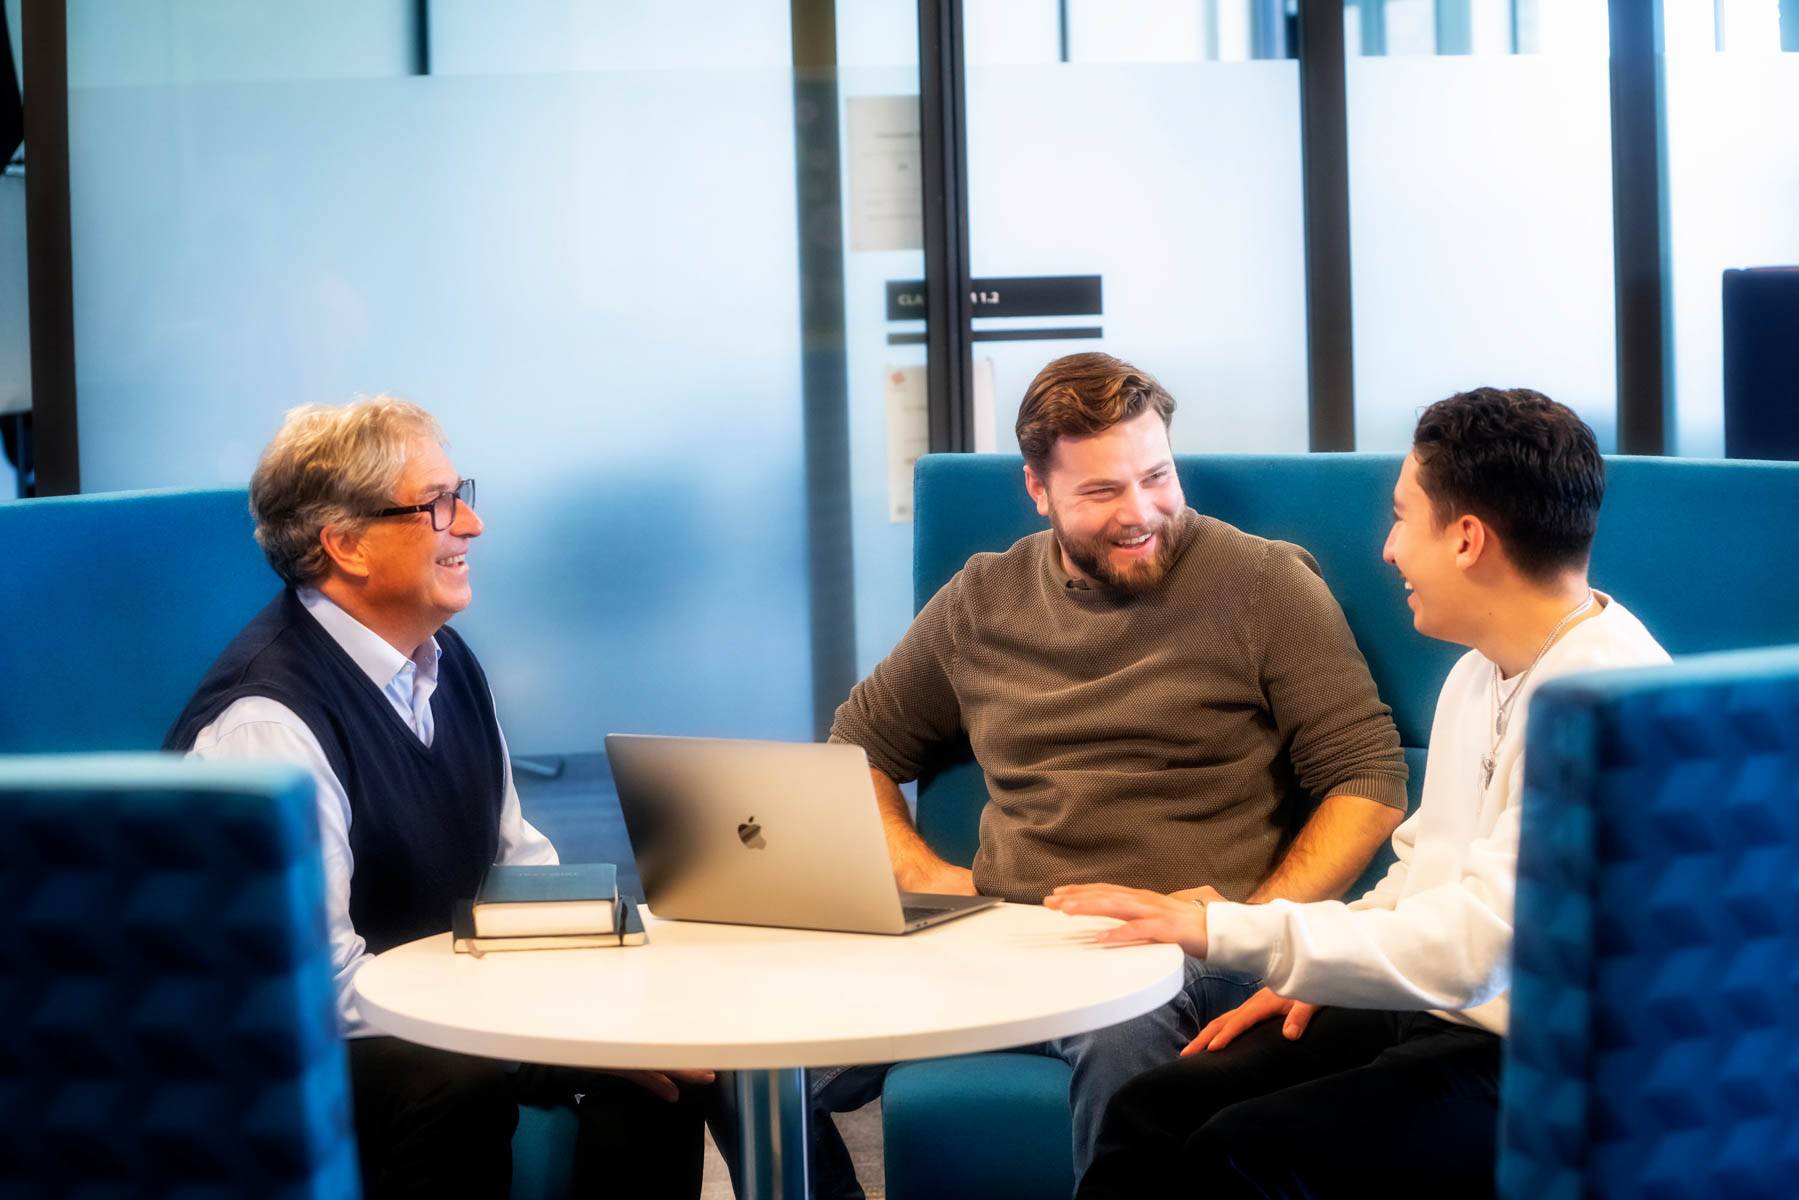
x: 111, y: 607
x: 1010, y: 1139
x: 543, y: 1154
x: 167, y: 1019
x: 1700, y: 550
x: 1655, y: 1040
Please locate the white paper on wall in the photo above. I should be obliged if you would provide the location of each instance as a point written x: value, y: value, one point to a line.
x: 908, y: 436
x: 983, y: 406
x: 886, y: 203
x: 909, y: 429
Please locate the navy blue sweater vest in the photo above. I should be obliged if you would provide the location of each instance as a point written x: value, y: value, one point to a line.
x: 424, y: 820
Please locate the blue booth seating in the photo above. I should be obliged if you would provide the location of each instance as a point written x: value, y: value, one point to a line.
x: 169, y: 1023
x: 1700, y: 550
x: 111, y: 609
x: 1656, y: 1048
x: 112, y: 606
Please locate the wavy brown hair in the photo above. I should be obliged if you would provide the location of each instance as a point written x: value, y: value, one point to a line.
x: 1080, y: 395
x: 330, y: 466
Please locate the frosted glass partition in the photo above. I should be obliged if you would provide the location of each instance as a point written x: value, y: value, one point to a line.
x: 1179, y: 185
x: 1733, y: 198
x: 1193, y: 223
x: 589, y: 278
x: 1481, y: 237
x: 883, y: 544
x: 144, y: 42
x: 521, y: 36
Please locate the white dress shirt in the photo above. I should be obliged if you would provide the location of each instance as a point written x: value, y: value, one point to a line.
x: 256, y: 727
x: 1436, y: 933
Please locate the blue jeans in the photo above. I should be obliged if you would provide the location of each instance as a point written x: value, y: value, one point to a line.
x: 1103, y: 1060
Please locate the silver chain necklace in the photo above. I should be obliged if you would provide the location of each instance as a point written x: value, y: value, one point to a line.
x: 1502, y: 712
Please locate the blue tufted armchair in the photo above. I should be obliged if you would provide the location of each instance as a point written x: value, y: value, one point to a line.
x: 1654, y: 1049
x: 167, y: 1019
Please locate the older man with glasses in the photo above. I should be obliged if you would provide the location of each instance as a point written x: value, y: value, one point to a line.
x: 352, y: 673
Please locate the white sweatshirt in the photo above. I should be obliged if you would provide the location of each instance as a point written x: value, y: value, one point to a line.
x: 1436, y: 932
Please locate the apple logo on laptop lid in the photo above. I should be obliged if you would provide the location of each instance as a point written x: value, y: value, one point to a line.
x: 750, y: 834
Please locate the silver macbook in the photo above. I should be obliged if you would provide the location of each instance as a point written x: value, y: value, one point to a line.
x: 764, y: 833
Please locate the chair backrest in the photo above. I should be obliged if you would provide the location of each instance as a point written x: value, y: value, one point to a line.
x: 1700, y: 550
x: 168, y: 1022
x: 111, y: 608
x: 1654, y: 1036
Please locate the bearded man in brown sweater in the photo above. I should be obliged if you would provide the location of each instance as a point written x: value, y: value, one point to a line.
x: 1153, y: 696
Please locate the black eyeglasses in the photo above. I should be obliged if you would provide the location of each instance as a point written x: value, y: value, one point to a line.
x: 442, y: 506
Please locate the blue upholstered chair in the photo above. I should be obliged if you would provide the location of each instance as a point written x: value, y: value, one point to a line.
x: 1699, y: 550
x: 167, y: 1019
x: 112, y: 606
x: 1654, y: 1049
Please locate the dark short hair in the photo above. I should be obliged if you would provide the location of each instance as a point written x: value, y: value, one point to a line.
x: 1527, y: 466
x: 1079, y: 395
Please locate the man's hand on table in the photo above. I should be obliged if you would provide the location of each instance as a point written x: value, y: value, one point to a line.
x: 1204, y: 895
x: 1265, y: 1005
x: 665, y: 1084
x: 939, y: 879
x: 1147, y: 916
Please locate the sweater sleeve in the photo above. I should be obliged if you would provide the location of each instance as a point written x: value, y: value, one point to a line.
x: 907, y: 705
x: 1340, y: 737
x: 1447, y: 947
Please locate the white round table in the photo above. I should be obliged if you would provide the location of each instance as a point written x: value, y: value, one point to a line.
x: 770, y: 1002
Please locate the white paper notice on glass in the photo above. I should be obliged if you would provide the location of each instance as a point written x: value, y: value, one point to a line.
x: 909, y: 429
x: 908, y: 437
x: 886, y: 197
x: 983, y: 406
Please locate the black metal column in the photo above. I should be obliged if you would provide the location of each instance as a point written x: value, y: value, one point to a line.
x: 943, y: 146
x: 1639, y: 228
x: 824, y: 363
x: 49, y: 264
x: 1324, y: 158
x: 421, y: 37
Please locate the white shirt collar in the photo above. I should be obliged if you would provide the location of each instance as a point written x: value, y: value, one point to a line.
x: 366, y: 648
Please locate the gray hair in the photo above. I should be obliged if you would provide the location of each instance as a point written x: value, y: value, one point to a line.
x: 330, y: 465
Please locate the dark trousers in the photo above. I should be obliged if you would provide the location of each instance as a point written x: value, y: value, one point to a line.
x: 433, y: 1123
x: 1364, y: 1103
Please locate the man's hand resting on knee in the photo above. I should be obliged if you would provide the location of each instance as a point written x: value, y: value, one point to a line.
x: 1262, y: 1006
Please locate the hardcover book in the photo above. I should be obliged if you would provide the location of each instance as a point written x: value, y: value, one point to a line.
x: 629, y: 931
x: 538, y: 901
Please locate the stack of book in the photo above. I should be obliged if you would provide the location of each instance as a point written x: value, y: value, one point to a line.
x: 566, y: 907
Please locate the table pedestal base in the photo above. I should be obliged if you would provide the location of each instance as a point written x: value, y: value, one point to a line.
x: 773, y: 1127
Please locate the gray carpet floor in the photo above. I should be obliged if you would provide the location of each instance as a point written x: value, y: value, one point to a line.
x: 861, y: 1133
x: 572, y: 801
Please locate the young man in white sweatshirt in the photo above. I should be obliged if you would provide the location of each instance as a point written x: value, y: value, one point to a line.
x: 1382, y: 1074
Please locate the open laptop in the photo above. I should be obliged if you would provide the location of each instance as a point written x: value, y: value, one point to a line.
x: 764, y: 833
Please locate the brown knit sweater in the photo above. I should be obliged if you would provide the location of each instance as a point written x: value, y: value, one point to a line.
x: 1163, y: 741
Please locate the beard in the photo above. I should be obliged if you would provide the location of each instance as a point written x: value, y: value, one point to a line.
x: 1093, y: 555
